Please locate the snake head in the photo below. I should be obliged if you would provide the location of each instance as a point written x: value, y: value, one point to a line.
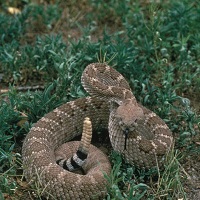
x: 129, y: 113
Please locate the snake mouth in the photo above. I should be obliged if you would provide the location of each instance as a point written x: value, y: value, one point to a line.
x: 131, y: 126
x: 127, y: 129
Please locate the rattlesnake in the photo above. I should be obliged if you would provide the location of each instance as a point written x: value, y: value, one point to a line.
x: 136, y: 132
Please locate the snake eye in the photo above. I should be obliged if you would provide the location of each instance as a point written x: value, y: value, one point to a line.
x: 135, y: 123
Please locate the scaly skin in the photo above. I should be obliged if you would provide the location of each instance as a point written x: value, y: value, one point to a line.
x: 136, y: 132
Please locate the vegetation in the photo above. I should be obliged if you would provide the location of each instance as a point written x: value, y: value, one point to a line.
x: 156, y: 46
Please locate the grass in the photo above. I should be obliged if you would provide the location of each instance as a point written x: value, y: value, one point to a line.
x: 128, y: 182
x: 50, y: 44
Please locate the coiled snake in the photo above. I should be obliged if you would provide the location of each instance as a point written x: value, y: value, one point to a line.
x: 136, y: 132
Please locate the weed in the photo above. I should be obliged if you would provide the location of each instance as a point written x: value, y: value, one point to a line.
x: 169, y: 184
x: 38, y: 190
x: 122, y: 183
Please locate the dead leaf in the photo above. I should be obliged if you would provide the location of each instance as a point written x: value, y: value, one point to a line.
x: 13, y: 10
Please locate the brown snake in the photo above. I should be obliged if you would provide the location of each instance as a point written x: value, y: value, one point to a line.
x: 135, y: 131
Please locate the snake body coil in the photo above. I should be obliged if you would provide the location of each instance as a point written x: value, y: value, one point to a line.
x: 136, y: 132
